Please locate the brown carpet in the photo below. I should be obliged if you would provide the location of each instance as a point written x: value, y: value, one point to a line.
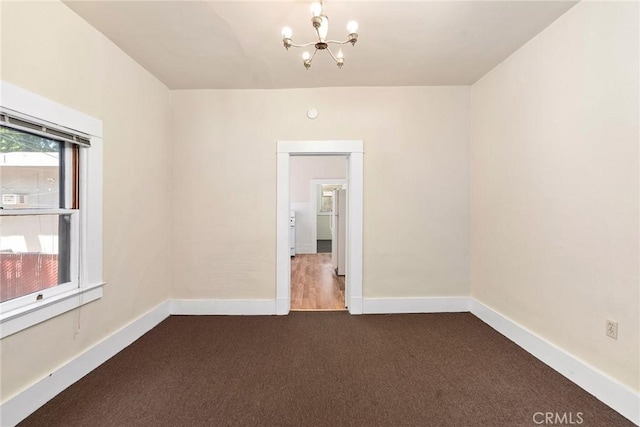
x: 322, y: 369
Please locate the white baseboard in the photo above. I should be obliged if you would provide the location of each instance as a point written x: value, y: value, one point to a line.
x: 611, y: 392
x: 355, y: 305
x: 237, y: 307
x: 305, y: 248
x: 415, y: 305
x: 283, y: 306
x: 23, y: 404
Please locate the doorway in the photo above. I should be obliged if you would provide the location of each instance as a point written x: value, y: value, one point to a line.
x: 353, y: 150
x: 317, y: 200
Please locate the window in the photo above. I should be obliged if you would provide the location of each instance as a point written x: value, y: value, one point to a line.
x: 50, y: 209
x: 39, y: 185
x: 326, y: 200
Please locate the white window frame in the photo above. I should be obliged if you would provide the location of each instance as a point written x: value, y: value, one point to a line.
x: 15, y: 315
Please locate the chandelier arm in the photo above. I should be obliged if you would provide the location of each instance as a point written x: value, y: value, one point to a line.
x: 303, y: 45
x: 332, y: 55
x: 337, y: 42
x: 339, y: 61
x: 314, y: 54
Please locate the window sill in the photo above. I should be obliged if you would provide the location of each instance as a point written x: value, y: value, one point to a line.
x: 24, y: 317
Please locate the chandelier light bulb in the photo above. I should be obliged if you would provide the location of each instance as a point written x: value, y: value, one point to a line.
x: 339, y: 59
x: 323, y: 30
x: 316, y: 9
x: 287, y: 33
x: 306, y: 55
x: 352, y: 27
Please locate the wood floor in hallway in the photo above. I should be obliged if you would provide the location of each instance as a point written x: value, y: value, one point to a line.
x: 315, y: 284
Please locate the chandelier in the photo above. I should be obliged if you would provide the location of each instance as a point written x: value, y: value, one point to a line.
x: 320, y: 23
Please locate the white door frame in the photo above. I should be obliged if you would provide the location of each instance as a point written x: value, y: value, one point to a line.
x: 354, y: 151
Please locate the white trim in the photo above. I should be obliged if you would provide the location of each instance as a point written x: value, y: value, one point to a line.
x: 17, y: 99
x: 283, y: 305
x: 355, y: 304
x: 355, y: 211
x: 91, y: 213
x: 353, y: 149
x: 28, y: 315
x: 608, y: 390
x: 33, y: 212
x: 306, y: 248
x: 304, y: 148
x: 237, y: 307
x: 23, y: 404
x: 416, y: 305
x: 283, y: 255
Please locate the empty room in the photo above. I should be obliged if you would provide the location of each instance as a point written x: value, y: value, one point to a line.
x: 350, y: 212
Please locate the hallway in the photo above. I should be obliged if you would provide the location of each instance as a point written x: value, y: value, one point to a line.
x: 314, y: 283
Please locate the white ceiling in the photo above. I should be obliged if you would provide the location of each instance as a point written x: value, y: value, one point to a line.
x: 237, y: 44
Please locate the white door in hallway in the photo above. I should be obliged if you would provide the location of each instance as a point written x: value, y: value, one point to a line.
x: 339, y: 231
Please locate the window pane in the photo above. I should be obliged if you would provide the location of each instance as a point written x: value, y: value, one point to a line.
x: 31, y: 171
x: 34, y: 253
x: 326, y: 204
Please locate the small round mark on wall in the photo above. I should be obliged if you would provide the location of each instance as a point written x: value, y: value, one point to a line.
x: 312, y: 113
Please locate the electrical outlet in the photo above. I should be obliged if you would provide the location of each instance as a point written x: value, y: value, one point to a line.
x: 612, y: 329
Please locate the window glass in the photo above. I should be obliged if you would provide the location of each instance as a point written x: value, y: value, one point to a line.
x: 38, y: 195
x: 33, y: 257
x: 326, y: 201
x: 32, y: 171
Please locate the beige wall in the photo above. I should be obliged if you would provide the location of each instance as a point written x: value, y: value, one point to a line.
x: 306, y: 168
x: 555, y: 186
x: 416, y: 185
x: 49, y: 50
